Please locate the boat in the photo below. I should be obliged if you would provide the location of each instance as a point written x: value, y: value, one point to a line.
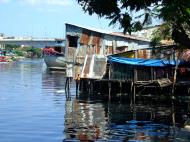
x: 54, y: 57
x: 4, y: 59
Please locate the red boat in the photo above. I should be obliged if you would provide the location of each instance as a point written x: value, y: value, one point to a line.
x: 3, y: 59
x: 54, y: 57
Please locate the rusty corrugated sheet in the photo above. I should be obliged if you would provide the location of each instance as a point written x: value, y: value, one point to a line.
x: 96, y: 39
x: 145, y: 54
x: 90, y: 50
x: 81, y: 55
x: 94, y: 67
x: 82, y: 52
x: 97, y: 49
x: 71, y: 53
x: 86, y: 69
x: 79, y: 59
x: 142, y: 54
x: 85, y: 38
x: 99, y: 67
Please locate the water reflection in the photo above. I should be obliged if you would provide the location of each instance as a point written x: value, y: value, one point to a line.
x: 53, y: 81
x: 86, y: 120
x: 28, y: 113
x: 35, y: 107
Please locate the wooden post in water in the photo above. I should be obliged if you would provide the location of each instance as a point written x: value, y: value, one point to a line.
x: 175, y: 77
x: 91, y: 86
x: 82, y: 85
x: 120, y: 86
x: 173, y: 114
x: 134, y: 94
x: 152, y: 74
x: 109, y: 86
x: 131, y: 93
x: 134, y: 81
x: 175, y: 73
x: 109, y: 83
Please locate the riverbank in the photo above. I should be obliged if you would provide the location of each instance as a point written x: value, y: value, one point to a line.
x: 11, y: 58
x: 14, y: 53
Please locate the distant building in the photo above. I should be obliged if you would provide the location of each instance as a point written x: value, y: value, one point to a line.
x: 2, y: 35
x: 2, y: 46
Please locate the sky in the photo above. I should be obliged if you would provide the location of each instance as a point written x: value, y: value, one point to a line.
x: 44, y: 18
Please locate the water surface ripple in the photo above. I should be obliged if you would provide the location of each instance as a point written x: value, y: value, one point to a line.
x: 35, y: 108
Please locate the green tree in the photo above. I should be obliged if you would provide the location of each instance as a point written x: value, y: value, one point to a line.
x: 163, y: 32
x: 10, y: 47
x: 24, y: 51
x: 35, y: 51
x: 176, y: 13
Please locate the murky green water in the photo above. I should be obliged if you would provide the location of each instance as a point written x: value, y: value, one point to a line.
x: 34, y: 108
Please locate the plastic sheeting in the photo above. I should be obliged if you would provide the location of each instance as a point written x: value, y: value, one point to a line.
x: 143, y: 62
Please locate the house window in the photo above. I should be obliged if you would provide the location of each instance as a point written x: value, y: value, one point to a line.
x: 72, y: 41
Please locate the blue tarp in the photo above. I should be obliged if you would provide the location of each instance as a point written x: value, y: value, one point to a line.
x: 144, y: 62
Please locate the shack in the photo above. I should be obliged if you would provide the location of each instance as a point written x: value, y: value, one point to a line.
x: 140, y: 70
x: 145, y: 73
x: 82, y: 41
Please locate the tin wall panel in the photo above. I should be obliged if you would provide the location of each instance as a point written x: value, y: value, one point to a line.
x: 85, y: 37
x: 142, y: 54
x: 97, y: 49
x: 110, y: 50
x: 87, y: 67
x: 96, y: 39
x: 90, y: 50
x: 99, y: 67
x: 71, y: 53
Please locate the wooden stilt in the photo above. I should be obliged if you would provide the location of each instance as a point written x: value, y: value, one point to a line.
x: 173, y: 115
x: 175, y: 73
x: 120, y: 86
x: 131, y: 94
x: 134, y: 94
x: 109, y: 86
x: 134, y: 81
x: 82, y: 85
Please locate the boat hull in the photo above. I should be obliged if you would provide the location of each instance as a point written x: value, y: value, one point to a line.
x: 54, y: 62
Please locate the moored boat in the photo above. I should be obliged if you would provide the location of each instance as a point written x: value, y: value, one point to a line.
x: 54, y: 57
x: 3, y: 59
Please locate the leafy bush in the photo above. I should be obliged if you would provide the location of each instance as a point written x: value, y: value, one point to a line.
x: 18, y: 53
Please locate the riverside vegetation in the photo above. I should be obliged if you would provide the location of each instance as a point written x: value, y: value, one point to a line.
x: 15, y: 52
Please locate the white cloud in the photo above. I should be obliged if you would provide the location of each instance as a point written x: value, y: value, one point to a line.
x: 46, y: 2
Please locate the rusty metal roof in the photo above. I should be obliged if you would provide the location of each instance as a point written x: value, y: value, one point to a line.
x: 127, y: 36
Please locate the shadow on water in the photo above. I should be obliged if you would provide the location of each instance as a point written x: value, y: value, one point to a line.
x: 89, y: 118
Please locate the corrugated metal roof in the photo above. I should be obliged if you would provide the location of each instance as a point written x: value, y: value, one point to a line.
x: 90, y: 28
x: 110, y: 33
x: 129, y: 36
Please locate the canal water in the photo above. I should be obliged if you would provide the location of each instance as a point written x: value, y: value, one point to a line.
x: 35, y: 108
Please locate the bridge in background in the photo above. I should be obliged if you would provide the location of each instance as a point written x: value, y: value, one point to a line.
x: 34, y: 42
